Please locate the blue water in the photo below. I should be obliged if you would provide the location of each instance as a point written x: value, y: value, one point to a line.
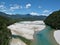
x: 42, y: 38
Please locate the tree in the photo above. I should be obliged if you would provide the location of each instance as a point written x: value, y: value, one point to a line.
x: 53, y: 20
x: 5, y: 34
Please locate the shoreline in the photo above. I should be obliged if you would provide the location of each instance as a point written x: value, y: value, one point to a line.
x: 27, y: 28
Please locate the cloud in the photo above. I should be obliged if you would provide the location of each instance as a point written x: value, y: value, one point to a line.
x: 34, y: 13
x: 15, y: 7
x: 8, y: 13
x: 3, y: 8
x: 2, y: 5
x: 46, y: 11
x: 2, y: 2
x: 39, y: 7
x: 44, y: 14
x: 28, y: 5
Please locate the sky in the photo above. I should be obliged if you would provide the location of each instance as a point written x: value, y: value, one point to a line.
x: 34, y: 7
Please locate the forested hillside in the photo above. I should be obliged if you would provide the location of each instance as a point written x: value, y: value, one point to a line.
x: 5, y: 34
x: 25, y: 17
x: 53, y: 20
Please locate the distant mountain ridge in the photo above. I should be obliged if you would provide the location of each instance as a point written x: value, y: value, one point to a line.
x: 23, y: 17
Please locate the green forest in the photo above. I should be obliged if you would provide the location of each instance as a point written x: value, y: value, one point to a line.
x: 5, y: 34
x: 53, y: 20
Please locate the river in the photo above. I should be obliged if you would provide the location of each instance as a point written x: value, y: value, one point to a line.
x: 45, y: 37
x: 36, y: 31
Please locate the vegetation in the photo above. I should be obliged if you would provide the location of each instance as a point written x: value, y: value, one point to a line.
x: 6, y: 20
x: 28, y: 42
x: 5, y: 34
x: 53, y: 20
x: 25, y: 17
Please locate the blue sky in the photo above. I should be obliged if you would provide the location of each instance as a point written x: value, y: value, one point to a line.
x: 35, y: 7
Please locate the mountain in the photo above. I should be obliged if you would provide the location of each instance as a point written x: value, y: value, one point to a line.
x: 23, y: 17
x: 53, y: 20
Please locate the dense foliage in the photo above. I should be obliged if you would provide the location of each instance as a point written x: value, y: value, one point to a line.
x: 5, y: 34
x: 53, y: 20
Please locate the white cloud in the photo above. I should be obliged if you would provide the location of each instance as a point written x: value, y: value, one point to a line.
x: 2, y: 5
x: 15, y: 6
x: 46, y: 11
x: 44, y: 14
x: 34, y: 13
x: 8, y: 13
x: 39, y: 7
x: 3, y: 8
x: 28, y: 5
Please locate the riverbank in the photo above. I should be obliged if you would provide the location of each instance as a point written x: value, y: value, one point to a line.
x: 45, y: 37
x: 27, y: 29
